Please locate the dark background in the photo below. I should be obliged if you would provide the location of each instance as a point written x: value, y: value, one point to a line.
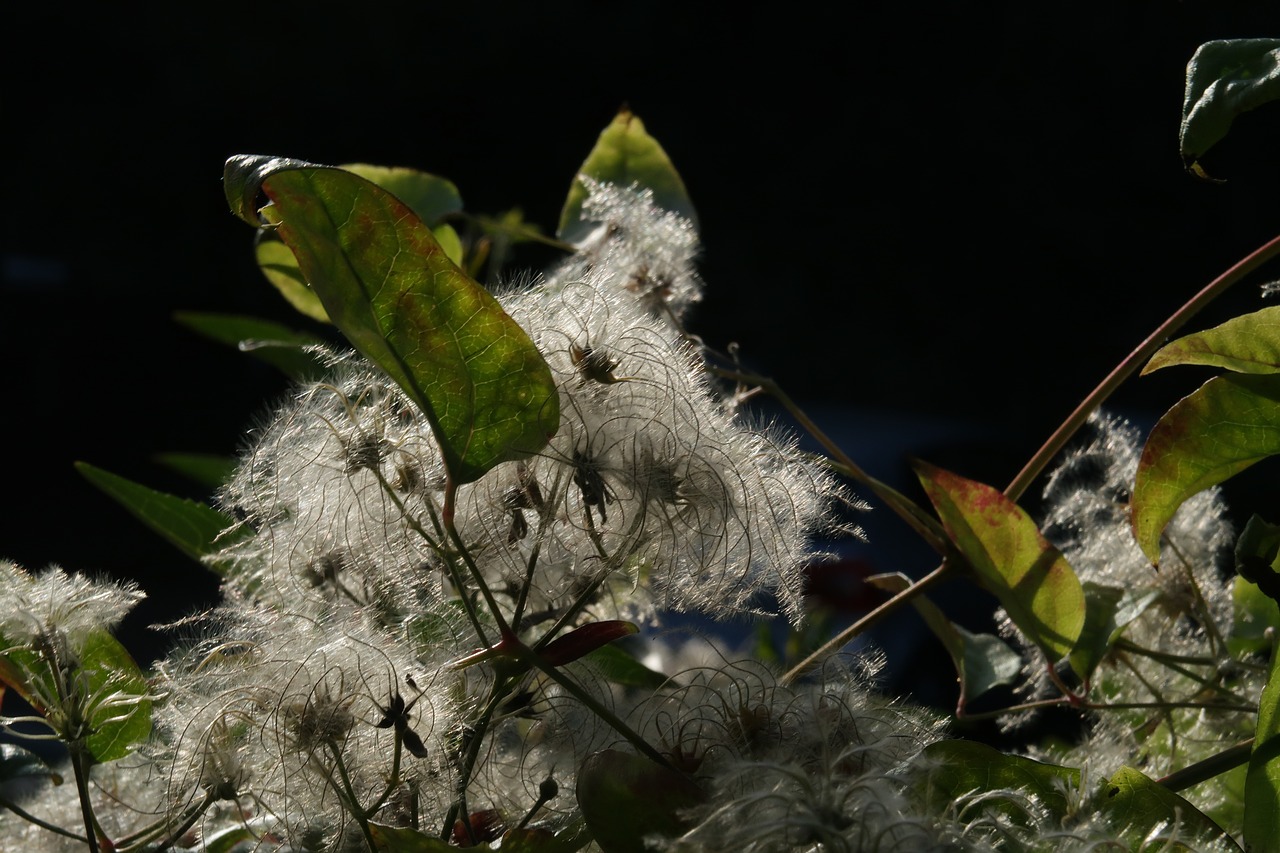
x: 937, y: 225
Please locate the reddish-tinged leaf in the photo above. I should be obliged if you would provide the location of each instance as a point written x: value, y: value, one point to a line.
x: 584, y: 640
x: 1217, y: 431
x: 1011, y: 558
x: 1247, y: 344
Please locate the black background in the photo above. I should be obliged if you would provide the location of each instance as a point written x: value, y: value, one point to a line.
x: 959, y: 215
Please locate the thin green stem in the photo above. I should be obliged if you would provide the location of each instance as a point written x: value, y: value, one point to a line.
x: 349, y: 794
x: 1214, y: 765
x: 79, y: 764
x: 1136, y: 359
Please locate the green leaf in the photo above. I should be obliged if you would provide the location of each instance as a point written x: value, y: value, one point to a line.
x: 1225, y: 78
x: 18, y: 764
x: 1135, y: 805
x: 280, y: 267
x: 402, y: 839
x: 1257, y: 554
x: 625, y: 154
x: 625, y: 797
x: 386, y: 283
x: 1246, y: 344
x: 210, y: 470
x: 125, y: 719
x: 226, y: 840
x: 1262, y: 784
x: 1031, y: 579
x: 1217, y: 431
x: 982, y: 661
x: 430, y: 196
x: 273, y: 343
x: 190, y: 525
x: 616, y: 666
x: 1108, y: 611
x: 568, y: 840
x: 961, y: 768
x: 1254, y: 613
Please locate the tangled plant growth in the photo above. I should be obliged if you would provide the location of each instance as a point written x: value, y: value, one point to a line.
x: 432, y: 553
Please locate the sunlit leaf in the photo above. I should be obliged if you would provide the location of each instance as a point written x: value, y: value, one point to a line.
x: 625, y: 154
x: 431, y: 197
x: 1246, y: 344
x: 1219, y: 430
x: 388, y: 286
x: 1225, y: 78
x: 1135, y: 805
x: 982, y: 661
x: 403, y: 839
x: 274, y: 343
x: 625, y: 797
x: 1262, y: 785
x: 960, y: 768
x: 190, y: 525
x: 110, y: 669
x: 280, y: 267
x: 1012, y: 559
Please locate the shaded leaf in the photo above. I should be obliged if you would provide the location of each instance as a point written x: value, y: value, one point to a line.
x: 210, y: 470
x: 1254, y: 613
x: 1262, y: 784
x: 403, y: 839
x: 386, y: 283
x: 450, y: 242
x: 568, y: 840
x: 1135, y: 805
x: 625, y: 797
x: 190, y: 525
x: 280, y: 267
x: 1246, y: 344
x: 1257, y: 554
x: 585, y: 639
x: 982, y: 661
x: 625, y: 154
x: 1225, y: 77
x: 615, y: 665
x: 117, y: 725
x: 1217, y: 431
x: 1012, y: 559
x: 273, y: 343
x: 1108, y: 610
x: 226, y: 840
x: 961, y: 768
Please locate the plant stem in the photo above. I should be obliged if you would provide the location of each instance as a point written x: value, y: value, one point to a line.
x: 79, y: 765
x: 1214, y: 765
x: 27, y: 816
x: 1134, y: 360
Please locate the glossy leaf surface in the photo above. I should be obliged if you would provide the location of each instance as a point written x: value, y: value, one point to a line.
x: 388, y: 286
x: 1246, y: 344
x: 1217, y: 431
x: 1225, y: 77
x: 1032, y: 580
x: 625, y: 154
x: 189, y: 525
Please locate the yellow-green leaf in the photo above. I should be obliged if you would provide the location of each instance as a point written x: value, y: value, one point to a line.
x: 1012, y: 559
x: 625, y: 154
x: 1262, y: 784
x: 1247, y: 344
x: 1219, y: 430
x: 1135, y: 805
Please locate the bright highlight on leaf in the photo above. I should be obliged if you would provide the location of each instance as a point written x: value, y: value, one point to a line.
x: 1219, y: 430
x: 1032, y: 580
x: 388, y: 286
x: 625, y: 154
x: 1247, y: 344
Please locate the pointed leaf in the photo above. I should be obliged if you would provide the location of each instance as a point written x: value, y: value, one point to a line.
x: 1247, y: 344
x: 584, y: 640
x: 625, y: 797
x: 1135, y: 805
x: 1108, y: 610
x: 189, y: 525
x: 1225, y: 78
x: 274, y: 343
x: 625, y: 154
x: 982, y: 661
x: 125, y: 719
x: 1012, y: 559
x: 387, y: 285
x: 1217, y: 431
